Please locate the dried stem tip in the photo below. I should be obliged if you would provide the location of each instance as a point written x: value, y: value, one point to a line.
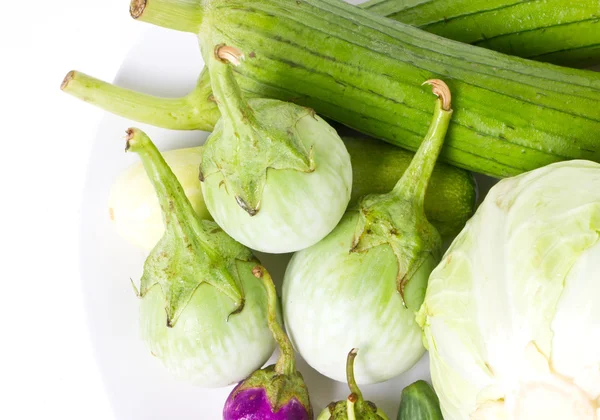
x: 229, y: 54
x: 136, y: 8
x: 129, y: 135
x: 258, y: 272
x: 441, y: 90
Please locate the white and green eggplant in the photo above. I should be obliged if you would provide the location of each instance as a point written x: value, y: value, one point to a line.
x: 202, y: 311
x: 275, y: 176
x: 361, y: 285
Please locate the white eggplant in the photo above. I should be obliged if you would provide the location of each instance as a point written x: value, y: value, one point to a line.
x: 275, y: 176
x: 361, y: 285
x: 203, y: 313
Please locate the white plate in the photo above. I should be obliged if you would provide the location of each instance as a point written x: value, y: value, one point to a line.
x: 164, y: 63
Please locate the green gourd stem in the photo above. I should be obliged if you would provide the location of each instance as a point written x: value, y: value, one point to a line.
x: 286, y: 364
x: 226, y: 90
x: 185, y: 113
x: 415, y: 179
x: 174, y: 204
x: 352, y: 399
x: 350, y: 374
x: 181, y: 15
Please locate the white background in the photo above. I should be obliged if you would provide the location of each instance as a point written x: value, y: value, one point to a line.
x: 47, y: 367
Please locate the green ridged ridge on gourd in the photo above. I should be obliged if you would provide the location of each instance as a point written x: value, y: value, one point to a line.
x: 564, y: 32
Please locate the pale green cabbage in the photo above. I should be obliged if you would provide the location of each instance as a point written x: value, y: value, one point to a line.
x: 512, y: 313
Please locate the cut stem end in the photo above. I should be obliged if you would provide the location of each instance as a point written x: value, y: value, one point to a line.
x: 136, y: 8
x: 180, y: 15
x: 65, y: 83
x: 134, y: 137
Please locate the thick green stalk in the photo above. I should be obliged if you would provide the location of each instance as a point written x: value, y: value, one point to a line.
x: 364, y: 71
x: 176, y: 208
x: 415, y: 180
x: 377, y: 166
x: 181, y: 15
x: 286, y: 364
x: 558, y: 31
x: 227, y: 92
x: 195, y: 111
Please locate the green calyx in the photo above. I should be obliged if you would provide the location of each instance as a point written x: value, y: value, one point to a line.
x: 248, y: 140
x: 354, y: 407
x: 281, y: 381
x: 397, y: 219
x: 280, y: 389
x: 192, y: 251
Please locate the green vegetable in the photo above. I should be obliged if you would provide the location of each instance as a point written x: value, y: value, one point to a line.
x: 360, y: 286
x: 376, y: 167
x: 511, y: 315
x: 195, y: 111
x: 354, y: 407
x: 202, y: 312
x: 419, y: 402
x: 558, y: 31
x: 275, y: 176
x: 362, y: 70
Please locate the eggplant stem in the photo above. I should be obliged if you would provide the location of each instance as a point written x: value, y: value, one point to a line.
x: 164, y: 182
x: 227, y: 92
x: 185, y: 113
x: 413, y: 184
x: 350, y: 374
x: 286, y: 365
x: 352, y: 398
x: 180, y: 15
